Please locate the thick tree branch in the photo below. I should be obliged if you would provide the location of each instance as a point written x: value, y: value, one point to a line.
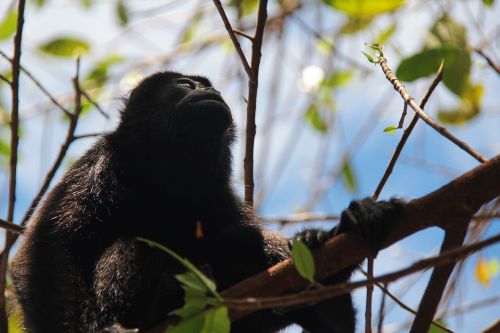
x: 452, y: 205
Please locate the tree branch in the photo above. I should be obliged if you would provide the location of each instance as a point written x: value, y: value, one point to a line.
x: 14, y: 141
x: 452, y: 205
x: 409, y: 99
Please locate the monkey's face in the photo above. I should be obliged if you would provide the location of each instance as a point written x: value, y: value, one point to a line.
x: 177, y: 107
x: 172, y: 114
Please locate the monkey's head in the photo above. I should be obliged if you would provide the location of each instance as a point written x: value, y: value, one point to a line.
x: 175, y: 123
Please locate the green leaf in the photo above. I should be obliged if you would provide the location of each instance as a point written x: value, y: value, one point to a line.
x: 65, y: 47
x: 315, y: 119
x: 194, y: 303
x: 40, y: 3
x: 348, y: 177
x: 122, y: 13
x: 190, y: 280
x: 246, y: 6
x: 446, y: 31
x: 86, y: 3
x: 190, y: 32
x: 469, y: 108
x: 325, y: 46
x: 363, y: 8
x: 385, y: 34
x: 4, y: 149
x: 8, y: 25
x: 15, y: 323
x: 434, y: 329
x: 489, y: 3
x: 390, y: 129
x: 337, y: 79
x: 370, y: 58
x: 212, y: 320
x: 303, y: 260
x: 456, y: 67
x: 355, y: 24
x: 209, y: 284
x: 99, y: 75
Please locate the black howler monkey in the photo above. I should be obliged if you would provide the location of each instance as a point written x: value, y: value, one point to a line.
x: 163, y: 171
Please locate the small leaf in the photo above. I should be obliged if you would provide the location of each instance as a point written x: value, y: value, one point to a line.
x: 209, y: 284
x: 99, y: 75
x: 446, y: 31
x: 482, y: 273
x: 493, y: 267
x: 325, y: 45
x: 469, y: 108
x: 385, y: 34
x: 193, y: 27
x: 391, y: 129
x: 190, y: 280
x: 355, y: 24
x: 4, y: 149
x: 434, y: 329
x: 348, y: 177
x: 338, y: 79
x: 194, y: 303
x: 15, y: 323
x: 425, y: 63
x: 65, y: 47
x: 212, y: 320
x: 8, y: 25
x: 370, y: 58
x: 122, y: 13
x: 303, y: 260
x: 315, y: 119
x: 364, y: 8
x: 489, y: 3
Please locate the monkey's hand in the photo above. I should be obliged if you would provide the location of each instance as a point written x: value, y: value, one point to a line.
x: 370, y: 219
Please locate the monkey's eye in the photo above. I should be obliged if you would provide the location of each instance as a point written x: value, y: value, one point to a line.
x: 186, y: 83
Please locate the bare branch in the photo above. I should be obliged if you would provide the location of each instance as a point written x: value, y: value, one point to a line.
x: 408, y: 99
x: 11, y: 227
x: 488, y: 60
x: 39, y: 85
x: 14, y: 130
x: 232, y: 35
x: 407, y: 133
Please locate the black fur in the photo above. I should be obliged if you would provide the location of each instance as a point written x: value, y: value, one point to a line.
x: 166, y: 167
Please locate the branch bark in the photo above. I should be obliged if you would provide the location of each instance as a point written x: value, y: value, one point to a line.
x: 451, y: 206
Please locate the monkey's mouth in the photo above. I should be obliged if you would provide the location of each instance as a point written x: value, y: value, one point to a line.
x: 207, y: 109
x: 202, y: 96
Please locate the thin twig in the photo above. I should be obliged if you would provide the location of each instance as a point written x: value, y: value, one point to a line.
x: 386, y: 291
x: 14, y: 129
x: 73, y: 121
x: 89, y: 135
x: 369, y: 297
x: 319, y: 37
x: 39, y: 85
x: 6, y: 80
x: 403, y: 116
x: 327, y: 292
x: 95, y: 104
x: 488, y: 60
x: 381, y: 310
x: 407, y: 133
x: 253, y: 84
x: 232, y: 35
x: 11, y: 227
x: 409, y: 99
x: 243, y: 34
